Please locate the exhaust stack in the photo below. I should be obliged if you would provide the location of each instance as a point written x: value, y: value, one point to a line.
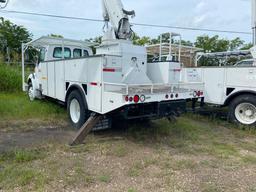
x: 254, y: 21
x: 253, y: 49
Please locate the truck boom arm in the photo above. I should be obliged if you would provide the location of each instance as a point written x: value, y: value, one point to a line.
x: 114, y: 13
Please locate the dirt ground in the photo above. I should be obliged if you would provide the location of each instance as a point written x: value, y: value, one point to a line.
x: 194, y: 154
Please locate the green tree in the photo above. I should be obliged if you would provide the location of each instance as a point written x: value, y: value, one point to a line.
x: 11, y: 37
x: 141, y: 40
x: 187, y: 43
x: 211, y: 44
x: 235, y: 44
x: 247, y: 46
x: 217, y: 44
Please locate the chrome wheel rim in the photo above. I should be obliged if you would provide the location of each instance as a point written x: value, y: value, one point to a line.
x: 245, y: 113
x: 75, y: 111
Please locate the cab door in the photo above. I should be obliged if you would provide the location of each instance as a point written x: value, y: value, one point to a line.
x: 43, y: 76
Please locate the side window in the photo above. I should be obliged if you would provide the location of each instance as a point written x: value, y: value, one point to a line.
x: 42, y: 54
x: 77, y: 53
x: 57, y: 53
x: 67, y: 53
x: 86, y: 53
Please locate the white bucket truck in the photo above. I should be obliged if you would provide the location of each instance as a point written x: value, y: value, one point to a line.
x: 117, y: 81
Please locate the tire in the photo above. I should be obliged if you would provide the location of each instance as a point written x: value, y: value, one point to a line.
x: 77, y: 110
x: 30, y: 92
x: 242, y: 110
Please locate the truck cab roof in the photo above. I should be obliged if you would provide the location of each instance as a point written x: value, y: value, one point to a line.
x: 45, y: 40
x: 54, y: 48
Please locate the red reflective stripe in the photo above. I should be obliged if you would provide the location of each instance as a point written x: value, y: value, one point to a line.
x: 108, y: 70
x: 94, y: 84
x: 177, y: 70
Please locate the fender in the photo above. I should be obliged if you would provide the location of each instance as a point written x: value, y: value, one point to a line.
x: 238, y: 93
x: 73, y: 87
x: 32, y: 79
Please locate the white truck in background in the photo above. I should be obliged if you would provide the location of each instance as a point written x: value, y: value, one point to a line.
x: 227, y: 86
x: 117, y: 81
x: 233, y: 86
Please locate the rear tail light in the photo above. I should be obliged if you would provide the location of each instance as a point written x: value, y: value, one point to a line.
x: 201, y: 93
x: 127, y: 98
x: 131, y: 99
x: 167, y: 96
x: 198, y: 93
x: 136, y: 98
x: 177, y: 95
x: 172, y: 96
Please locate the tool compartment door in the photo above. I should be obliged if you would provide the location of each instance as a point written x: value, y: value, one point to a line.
x: 241, y: 77
x: 51, y: 79
x: 214, y: 79
x: 60, y: 80
x: 94, y: 85
x: 43, y: 76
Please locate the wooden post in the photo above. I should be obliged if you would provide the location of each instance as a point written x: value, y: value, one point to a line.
x: 85, y: 129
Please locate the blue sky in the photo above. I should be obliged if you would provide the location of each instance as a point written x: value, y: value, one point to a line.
x: 214, y: 14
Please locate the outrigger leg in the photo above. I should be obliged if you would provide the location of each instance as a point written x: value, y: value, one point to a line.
x: 85, y: 129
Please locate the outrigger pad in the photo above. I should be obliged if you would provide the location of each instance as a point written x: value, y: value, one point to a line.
x: 85, y: 129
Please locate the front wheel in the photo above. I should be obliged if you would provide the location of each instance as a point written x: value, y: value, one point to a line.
x: 77, y: 110
x: 243, y: 110
x: 31, y: 93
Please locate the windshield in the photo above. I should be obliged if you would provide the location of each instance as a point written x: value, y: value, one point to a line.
x: 42, y: 54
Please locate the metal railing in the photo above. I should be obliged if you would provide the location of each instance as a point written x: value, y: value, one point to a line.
x: 126, y: 89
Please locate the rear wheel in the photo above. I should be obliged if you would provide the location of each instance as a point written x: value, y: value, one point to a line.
x: 77, y: 109
x: 243, y: 110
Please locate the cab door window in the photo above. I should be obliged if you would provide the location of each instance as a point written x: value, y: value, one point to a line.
x: 57, y: 53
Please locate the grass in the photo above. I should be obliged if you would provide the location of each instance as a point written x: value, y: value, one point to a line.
x: 181, y: 146
x: 139, y: 166
x: 106, y: 178
x: 16, y: 169
x: 10, y: 78
x: 16, y: 106
x: 22, y: 156
x: 79, y: 176
x: 210, y: 187
x: 118, y: 150
x: 17, y: 176
x: 249, y: 159
x: 131, y: 190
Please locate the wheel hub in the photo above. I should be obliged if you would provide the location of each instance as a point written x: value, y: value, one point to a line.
x: 75, y: 111
x: 245, y: 113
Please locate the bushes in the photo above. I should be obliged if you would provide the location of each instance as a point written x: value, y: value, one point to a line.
x: 10, y: 78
